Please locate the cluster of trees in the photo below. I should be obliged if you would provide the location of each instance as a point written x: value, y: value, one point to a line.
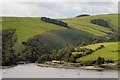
x: 100, y: 61
x: 100, y: 47
x: 62, y: 54
x: 85, y: 51
x: 65, y: 54
x: 9, y: 39
x: 82, y: 15
x: 33, y: 53
x: 54, y: 21
x: 100, y: 22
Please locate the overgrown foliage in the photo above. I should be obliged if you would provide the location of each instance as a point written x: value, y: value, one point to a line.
x: 9, y: 39
x: 100, y: 61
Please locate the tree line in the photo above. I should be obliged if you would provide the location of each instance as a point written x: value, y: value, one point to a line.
x: 54, y: 21
x: 83, y: 15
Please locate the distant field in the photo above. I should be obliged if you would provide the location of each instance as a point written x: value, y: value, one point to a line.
x: 83, y: 23
x: 109, y: 52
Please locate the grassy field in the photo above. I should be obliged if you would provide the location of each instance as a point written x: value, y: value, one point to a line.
x: 27, y: 27
x: 83, y: 23
x: 109, y: 52
x: 62, y: 38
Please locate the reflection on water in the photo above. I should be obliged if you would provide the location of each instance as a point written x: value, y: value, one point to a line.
x: 33, y: 71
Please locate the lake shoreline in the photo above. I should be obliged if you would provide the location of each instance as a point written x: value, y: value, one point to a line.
x: 72, y: 67
x: 63, y: 66
x: 31, y: 70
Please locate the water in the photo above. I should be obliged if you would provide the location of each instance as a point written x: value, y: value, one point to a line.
x: 34, y: 71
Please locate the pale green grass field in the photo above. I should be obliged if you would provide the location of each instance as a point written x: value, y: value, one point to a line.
x: 109, y: 52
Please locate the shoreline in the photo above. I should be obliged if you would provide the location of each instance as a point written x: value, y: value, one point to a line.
x: 63, y: 66
x: 72, y: 67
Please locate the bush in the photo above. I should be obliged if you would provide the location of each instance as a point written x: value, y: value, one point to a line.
x: 100, y: 61
x: 89, y: 51
x: 109, y: 61
x: 101, y: 46
x: 72, y: 59
x: 100, y: 22
x: 9, y: 39
x: 43, y: 58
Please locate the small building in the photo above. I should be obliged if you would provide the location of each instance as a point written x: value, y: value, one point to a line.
x: 59, y: 62
x: 55, y: 61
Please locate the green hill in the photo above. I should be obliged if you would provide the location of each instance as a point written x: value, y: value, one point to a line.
x: 110, y: 52
x: 28, y: 27
x: 83, y: 23
x: 36, y: 37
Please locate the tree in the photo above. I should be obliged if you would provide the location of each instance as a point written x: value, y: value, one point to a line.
x: 100, y: 22
x: 43, y: 58
x: 83, y: 15
x: 72, y: 59
x: 89, y: 51
x: 9, y: 39
x: 100, y: 60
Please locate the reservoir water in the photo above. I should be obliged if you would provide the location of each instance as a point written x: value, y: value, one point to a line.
x: 34, y: 71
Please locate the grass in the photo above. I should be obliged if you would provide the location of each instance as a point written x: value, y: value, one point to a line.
x: 83, y: 23
x: 109, y: 52
x: 62, y: 38
x: 27, y: 27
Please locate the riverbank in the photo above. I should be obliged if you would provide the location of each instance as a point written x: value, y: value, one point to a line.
x: 57, y: 66
x: 33, y: 71
x: 68, y: 66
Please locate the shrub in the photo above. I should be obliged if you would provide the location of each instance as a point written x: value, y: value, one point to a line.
x: 89, y: 51
x: 100, y: 61
x: 100, y: 22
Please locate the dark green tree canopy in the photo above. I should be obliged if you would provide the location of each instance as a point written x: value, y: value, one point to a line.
x: 54, y: 21
x: 100, y: 22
